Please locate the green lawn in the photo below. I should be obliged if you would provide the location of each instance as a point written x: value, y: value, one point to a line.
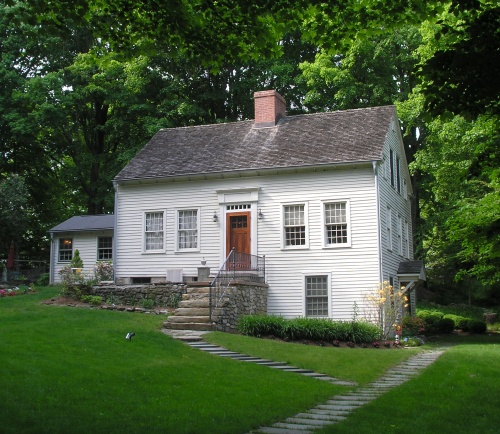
x: 71, y: 370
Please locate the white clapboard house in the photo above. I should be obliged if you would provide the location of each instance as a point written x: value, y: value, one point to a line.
x: 323, y: 197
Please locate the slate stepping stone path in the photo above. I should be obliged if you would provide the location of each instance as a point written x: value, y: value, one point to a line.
x: 338, y: 407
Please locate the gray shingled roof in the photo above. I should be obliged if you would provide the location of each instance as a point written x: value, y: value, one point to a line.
x: 410, y: 267
x: 297, y: 141
x: 86, y: 223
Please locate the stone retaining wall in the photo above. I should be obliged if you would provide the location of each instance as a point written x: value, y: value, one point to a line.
x: 133, y: 295
x: 241, y: 299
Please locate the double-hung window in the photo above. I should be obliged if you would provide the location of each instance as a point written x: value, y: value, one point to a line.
x: 104, y: 248
x: 187, y: 229
x: 295, y: 225
x: 336, y: 223
x: 316, y: 293
x: 65, y: 249
x: 154, y: 231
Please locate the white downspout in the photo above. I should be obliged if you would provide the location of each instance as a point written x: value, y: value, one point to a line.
x: 379, y: 228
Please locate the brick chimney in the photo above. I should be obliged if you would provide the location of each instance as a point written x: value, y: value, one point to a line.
x: 270, y: 107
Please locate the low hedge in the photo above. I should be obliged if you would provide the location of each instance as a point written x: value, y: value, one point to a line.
x: 314, y: 329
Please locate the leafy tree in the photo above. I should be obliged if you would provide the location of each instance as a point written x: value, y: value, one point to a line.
x: 460, y: 204
x: 14, y: 211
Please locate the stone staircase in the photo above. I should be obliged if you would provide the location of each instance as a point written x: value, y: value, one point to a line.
x: 193, y: 312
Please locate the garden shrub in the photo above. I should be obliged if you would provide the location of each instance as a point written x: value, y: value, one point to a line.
x: 308, y: 328
x: 43, y: 280
x: 455, y: 318
x: 477, y: 326
x: 103, y: 271
x: 445, y: 325
x: 463, y: 324
x: 413, y: 326
x: 431, y: 323
x: 94, y: 300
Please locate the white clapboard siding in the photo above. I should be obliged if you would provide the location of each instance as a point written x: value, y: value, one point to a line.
x: 389, y: 196
x: 86, y: 244
x: 354, y: 270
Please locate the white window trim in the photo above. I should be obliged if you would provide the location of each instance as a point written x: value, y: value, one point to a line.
x: 148, y: 252
x: 329, y: 292
x: 198, y: 230
x: 348, y: 221
x: 306, y: 222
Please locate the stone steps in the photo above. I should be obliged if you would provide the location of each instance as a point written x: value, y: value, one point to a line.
x: 193, y: 312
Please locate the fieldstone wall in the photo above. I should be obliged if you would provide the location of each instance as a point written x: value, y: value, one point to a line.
x: 241, y: 299
x: 132, y: 295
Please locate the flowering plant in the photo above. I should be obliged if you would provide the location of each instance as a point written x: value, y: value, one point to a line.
x: 376, y: 345
x: 350, y: 344
x: 2, y: 293
x: 336, y: 343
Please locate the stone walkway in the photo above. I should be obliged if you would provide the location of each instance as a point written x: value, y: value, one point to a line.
x: 338, y: 407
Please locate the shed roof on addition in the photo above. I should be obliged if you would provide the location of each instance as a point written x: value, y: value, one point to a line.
x: 299, y: 141
x: 86, y: 223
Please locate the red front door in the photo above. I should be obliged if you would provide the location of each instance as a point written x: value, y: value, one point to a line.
x: 238, y: 232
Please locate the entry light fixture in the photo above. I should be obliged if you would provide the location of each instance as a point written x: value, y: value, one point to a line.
x: 260, y: 215
x: 215, y: 218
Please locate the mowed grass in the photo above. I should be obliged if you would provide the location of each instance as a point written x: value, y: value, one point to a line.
x: 457, y: 394
x: 361, y: 365
x: 67, y: 370
x: 71, y: 370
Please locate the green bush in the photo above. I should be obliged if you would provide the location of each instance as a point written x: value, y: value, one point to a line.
x: 463, y: 324
x: 308, y: 328
x: 43, y: 280
x: 412, y: 342
x: 94, y: 300
x: 147, y: 303
x: 445, y: 325
x: 413, y: 326
x: 477, y: 326
x: 431, y: 323
x: 456, y: 319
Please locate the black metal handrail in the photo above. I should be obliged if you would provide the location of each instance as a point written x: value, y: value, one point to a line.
x: 237, y: 266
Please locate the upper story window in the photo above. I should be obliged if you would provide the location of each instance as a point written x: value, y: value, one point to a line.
x: 187, y: 229
x: 104, y: 248
x: 65, y: 249
x: 336, y: 223
x: 154, y: 231
x: 294, y: 219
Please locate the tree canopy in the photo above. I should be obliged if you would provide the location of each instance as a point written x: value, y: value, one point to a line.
x: 86, y: 83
